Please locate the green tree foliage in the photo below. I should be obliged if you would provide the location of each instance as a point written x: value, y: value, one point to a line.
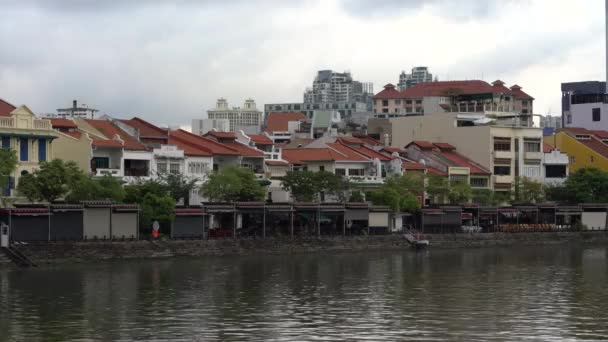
x: 307, y: 186
x: 53, y: 180
x: 156, y: 208
x: 399, y: 193
x: 437, y: 188
x: 587, y: 185
x: 86, y: 188
x: 179, y: 186
x: 460, y: 193
x: 526, y: 190
x: 356, y: 197
x: 8, y: 164
x: 233, y: 184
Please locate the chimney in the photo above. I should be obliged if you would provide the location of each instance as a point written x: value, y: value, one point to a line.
x: 75, y: 103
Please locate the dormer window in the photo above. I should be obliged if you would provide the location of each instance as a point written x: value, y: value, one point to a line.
x: 582, y: 137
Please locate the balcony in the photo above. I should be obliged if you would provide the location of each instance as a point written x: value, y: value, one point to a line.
x: 533, y: 155
x: 36, y: 124
x: 503, y: 154
x: 502, y: 179
x: 366, y: 179
x: 107, y: 172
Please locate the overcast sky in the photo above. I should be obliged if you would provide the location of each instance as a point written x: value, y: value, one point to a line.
x: 168, y: 61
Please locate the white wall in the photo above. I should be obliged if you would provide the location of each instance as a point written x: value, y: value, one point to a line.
x: 582, y: 116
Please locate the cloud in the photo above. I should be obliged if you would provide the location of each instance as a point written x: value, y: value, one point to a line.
x: 169, y: 61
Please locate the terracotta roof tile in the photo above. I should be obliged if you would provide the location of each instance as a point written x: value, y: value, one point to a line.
x: 260, y: 139
x: 6, y: 108
x: 346, y: 153
x: 447, y: 88
x: 600, y: 134
x: 145, y: 128
x: 412, y: 166
x: 279, y: 121
x: 519, y: 94
x: 302, y: 155
x: 221, y: 135
x: 74, y: 134
x: 389, y: 92
x: 276, y: 162
x: 547, y: 148
x: 445, y: 146
x: 110, y: 130
x: 62, y: 123
x: 421, y: 144
x: 211, y: 146
x: 245, y: 151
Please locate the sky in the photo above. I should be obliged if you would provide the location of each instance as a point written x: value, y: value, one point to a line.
x: 168, y: 61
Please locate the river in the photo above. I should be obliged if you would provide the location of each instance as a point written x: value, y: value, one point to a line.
x: 509, y: 294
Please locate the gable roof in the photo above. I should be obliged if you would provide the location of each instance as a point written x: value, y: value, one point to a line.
x: 447, y: 88
x: 221, y: 135
x: 389, y: 92
x: 211, y: 146
x: 301, y: 155
x: 260, y: 139
x: 358, y: 146
x: 346, y: 153
x: 109, y: 130
x: 62, y: 123
x: 446, y: 154
x: 520, y: 94
x: 279, y: 121
x: 594, y: 142
x: 6, y: 108
x: 421, y: 144
x: 146, y: 129
x: 244, y: 150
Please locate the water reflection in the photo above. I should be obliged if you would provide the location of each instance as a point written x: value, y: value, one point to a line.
x: 547, y: 293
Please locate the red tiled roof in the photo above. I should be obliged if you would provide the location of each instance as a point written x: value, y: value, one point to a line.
x: 421, y: 144
x: 62, y: 123
x: 367, y: 139
x: 459, y: 160
x: 145, y: 128
x: 99, y: 142
x: 547, y: 148
x: 445, y: 146
x: 369, y: 153
x: 434, y: 171
x: 74, y: 134
x: 350, y: 140
x: 260, y: 139
x: 211, y: 146
x: 519, y: 94
x: 279, y: 121
x: 447, y: 88
x: 389, y: 92
x: 393, y: 150
x: 412, y: 166
x: 575, y: 130
x: 346, y: 153
x: 110, y: 130
x: 221, y: 135
x: 301, y: 155
x: 245, y: 151
x: 6, y: 108
x: 189, y: 149
x: 600, y: 134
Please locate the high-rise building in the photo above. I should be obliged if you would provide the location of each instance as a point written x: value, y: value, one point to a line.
x: 419, y: 74
x: 248, y: 119
x: 331, y: 88
x: 549, y: 121
x: 576, y: 97
x: 76, y: 111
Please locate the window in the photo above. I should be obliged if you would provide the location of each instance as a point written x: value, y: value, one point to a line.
x: 596, y: 113
x: 555, y: 171
x: 408, y: 102
x: 322, y: 168
x: 384, y: 110
x: 396, y: 110
x: 531, y: 146
x: 340, y: 172
x: 356, y: 172
x: 6, y: 141
x: 23, y: 149
x: 41, y: 149
x: 569, y: 119
x: 479, y: 182
x: 582, y: 137
x: 502, y: 144
x: 397, y: 102
x: 385, y: 103
x: 101, y: 162
x: 161, y: 168
x: 174, y: 168
x: 458, y: 178
x: 418, y: 101
x: 502, y: 170
x: 591, y: 159
x: 409, y: 110
x: 572, y: 160
x: 531, y: 171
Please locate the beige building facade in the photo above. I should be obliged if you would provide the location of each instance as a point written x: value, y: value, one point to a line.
x: 507, y: 151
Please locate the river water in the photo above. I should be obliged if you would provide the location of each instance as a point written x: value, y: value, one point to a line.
x: 512, y: 294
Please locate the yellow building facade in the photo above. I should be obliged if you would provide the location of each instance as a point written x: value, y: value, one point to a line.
x: 584, y: 148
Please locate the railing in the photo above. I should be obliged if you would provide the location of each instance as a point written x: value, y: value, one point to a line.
x: 365, y: 179
x: 108, y: 172
x: 7, y: 122
x: 42, y: 124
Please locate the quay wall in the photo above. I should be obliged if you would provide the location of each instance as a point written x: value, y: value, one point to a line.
x: 61, y: 252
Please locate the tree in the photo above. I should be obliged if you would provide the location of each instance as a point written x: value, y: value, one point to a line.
x: 308, y: 186
x: 437, y: 188
x: 179, y: 186
x: 356, y: 197
x: 53, y: 180
x: 526, y: 190
x: 87, y: 188
x: 300, y: 184
x: 399, y: 192
x: 587, y: 185
x: 233, y: 184
x: 156, y: 208
x: 8, y: 164
x: 460, y: 193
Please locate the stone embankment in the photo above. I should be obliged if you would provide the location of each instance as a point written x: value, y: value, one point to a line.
x: 61, y: 252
